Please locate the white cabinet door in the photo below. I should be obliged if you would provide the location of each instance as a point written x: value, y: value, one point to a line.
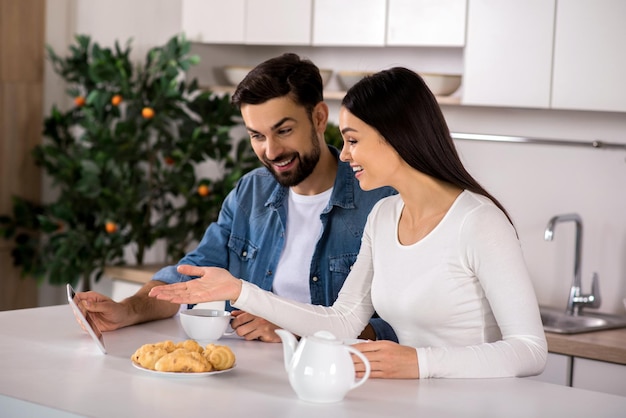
x: 508, y: 53
x: 600, y: 376
x: 278, y: 22
x: 558, y: 370
x: 349, y: 22
x: 426, y: 23
x: 590, y: 55
x: 213, y: 21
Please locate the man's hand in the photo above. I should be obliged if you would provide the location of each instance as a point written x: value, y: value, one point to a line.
x: 109, y: 315
x: 253, y: 327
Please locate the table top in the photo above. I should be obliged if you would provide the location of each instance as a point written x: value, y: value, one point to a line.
x: 50, y: 367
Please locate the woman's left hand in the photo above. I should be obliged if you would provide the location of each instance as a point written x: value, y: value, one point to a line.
x: 388, y: 360
x: 211, y: 284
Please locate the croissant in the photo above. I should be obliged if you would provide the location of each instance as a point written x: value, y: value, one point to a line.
x: 221, y: 357
x: 185, y: 356
x: 182, y: 360
x: 147, y: 355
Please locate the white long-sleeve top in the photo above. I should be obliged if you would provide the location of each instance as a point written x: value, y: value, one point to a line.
x: 462, y: 295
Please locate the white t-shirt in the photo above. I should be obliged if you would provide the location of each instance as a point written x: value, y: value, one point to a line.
x: 462, y: 295
x: 291, y: 279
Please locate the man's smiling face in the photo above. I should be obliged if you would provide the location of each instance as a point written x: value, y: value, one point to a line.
x: 284, y: 139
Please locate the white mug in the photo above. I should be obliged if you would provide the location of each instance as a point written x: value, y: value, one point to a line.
x: 205, y: 324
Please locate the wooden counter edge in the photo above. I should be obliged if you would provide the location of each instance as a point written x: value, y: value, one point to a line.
x: 134, y: 274
x: 608, y: 345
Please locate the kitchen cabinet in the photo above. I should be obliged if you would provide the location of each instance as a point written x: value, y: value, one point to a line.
x: 349, y: 22
x: 558, y: 370
x: 600, y: 376
x: 559, y: 54
x: 326, y: 22
x: 589, y: 55
x: 508, y: 53
x: 214, y: 21
x: 278, y: 22
x: 267, y: 22
x: 426, y: 23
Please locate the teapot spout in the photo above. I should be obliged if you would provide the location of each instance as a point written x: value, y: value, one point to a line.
x: 289, y: 346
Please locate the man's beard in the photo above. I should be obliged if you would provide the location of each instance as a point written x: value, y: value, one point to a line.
x: 302, y: 170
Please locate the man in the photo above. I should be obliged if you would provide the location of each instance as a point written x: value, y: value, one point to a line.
x: 293, y: 227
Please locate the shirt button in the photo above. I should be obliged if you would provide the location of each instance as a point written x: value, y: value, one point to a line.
x: 245, y: 253
x: 315, y: 279
x: 269, y: 272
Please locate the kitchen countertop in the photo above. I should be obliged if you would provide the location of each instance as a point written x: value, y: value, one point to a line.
x: 135, y: 274
x: 608, y: 345
x: 50, y: 367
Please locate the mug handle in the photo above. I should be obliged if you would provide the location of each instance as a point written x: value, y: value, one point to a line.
x: 231, y: 332
x: 368, y: 368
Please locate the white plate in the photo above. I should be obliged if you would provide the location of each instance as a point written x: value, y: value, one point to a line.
x: 181, y: 374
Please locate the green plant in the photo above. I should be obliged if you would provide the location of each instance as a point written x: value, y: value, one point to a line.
x: 333, y: 135
x: 123, y: 162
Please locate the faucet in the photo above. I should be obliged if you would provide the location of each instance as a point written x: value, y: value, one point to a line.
x: 576, y: 300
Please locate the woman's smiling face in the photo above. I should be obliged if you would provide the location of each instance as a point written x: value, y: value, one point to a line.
x: 372, y: 159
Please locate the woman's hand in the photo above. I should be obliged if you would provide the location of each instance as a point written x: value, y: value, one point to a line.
x: 212, y: 284
x: 387, y: 359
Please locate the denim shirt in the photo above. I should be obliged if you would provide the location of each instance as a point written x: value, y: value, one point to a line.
x: 252, y: 224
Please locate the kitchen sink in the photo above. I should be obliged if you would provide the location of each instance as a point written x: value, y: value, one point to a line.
x: 555, y: 320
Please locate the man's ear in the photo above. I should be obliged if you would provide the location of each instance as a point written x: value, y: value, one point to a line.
x: 320, y: 117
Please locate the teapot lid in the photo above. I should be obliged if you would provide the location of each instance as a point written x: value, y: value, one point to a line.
x: 325, y: 337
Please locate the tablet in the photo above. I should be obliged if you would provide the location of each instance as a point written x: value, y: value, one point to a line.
x: 85, y: 320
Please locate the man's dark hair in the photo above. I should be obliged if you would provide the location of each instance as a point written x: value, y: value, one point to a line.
x: 285, y: 75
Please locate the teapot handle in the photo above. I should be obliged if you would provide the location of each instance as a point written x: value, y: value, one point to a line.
x: 365, y: 361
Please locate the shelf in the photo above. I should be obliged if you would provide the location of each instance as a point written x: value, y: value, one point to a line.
x: 335, y: 95
x: 135, y: 274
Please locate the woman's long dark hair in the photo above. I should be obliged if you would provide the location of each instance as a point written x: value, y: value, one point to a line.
x: 399, y: 105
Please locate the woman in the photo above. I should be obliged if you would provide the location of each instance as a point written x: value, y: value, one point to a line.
x: 440, y: 262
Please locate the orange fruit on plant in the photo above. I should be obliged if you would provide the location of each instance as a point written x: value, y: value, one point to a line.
x: 147, y: 112
x: 110, y: 227
x: 203, y: 190
x: 169, y: 160
x: 116, y: 100
x: 79, y: 101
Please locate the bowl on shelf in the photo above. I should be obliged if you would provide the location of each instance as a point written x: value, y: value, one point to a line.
x: 348, y: 79
x: 326, y: 74
x: 235, y: 73
x: 442, y: 84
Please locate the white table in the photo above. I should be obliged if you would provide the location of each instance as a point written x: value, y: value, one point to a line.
x: 50, y: 368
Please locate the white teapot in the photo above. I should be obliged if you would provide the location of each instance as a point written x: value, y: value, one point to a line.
x: 320, y: 368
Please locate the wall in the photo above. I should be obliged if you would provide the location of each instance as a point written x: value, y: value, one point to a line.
x: 534, y: 182
x: 21, y: 86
